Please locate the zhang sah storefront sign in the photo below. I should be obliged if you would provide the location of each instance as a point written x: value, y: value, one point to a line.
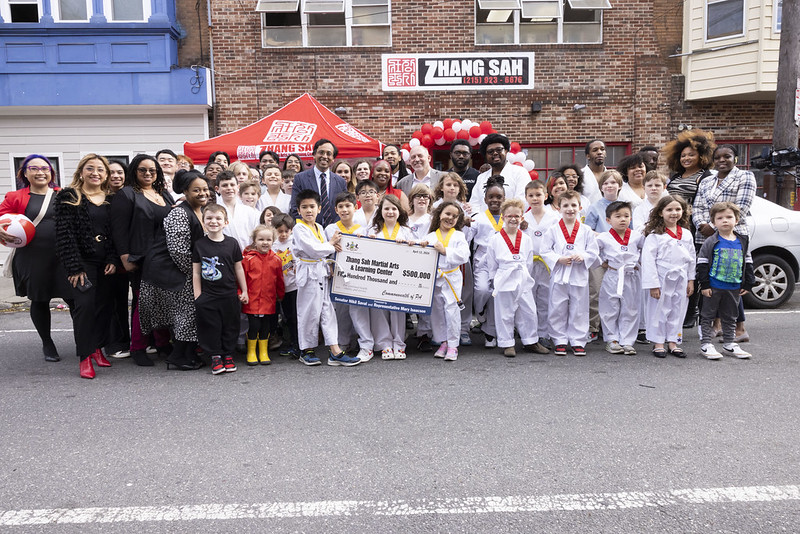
x: 459, y: 72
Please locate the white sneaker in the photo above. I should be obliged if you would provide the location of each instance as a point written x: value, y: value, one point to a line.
x: 452, y: 354
x: 628, y: 350
x: 441, y: 351
x: 365, y: 355
x: 387, y: 354
x: 151, y: 349
x: 120, y: 354
x: 735, y: 350
x: 399, y: 354
x: 614, y: 348
x: 490, y: 343
x: 710, y: 352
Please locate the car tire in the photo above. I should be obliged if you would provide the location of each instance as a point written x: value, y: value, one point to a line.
x: 774, y: 282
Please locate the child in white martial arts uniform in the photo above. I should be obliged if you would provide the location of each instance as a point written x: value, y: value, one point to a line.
x: 621, y: 291
x: 367, y: 194
x: 242, y: 219
x: 654, y: 188
x: 314, y: 307
x: 448, y: 239
x: 570, y: 250
x: 389, y: 327
x: 668, y: 271
x: 419, y: 221
x: 539, y: 218
x: 484, y: 226
x: 348, y: 326
x: 453, y: 188
x: 273, y: 196
x: 283, y: 224
x: 509, y: 258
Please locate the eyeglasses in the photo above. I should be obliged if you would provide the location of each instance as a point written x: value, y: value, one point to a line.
x: 145, y: 172
x: 37, y: 169
x: 367, y: 193
x: 499, y: 150
x: 461, y: 152
x: 422, y: 197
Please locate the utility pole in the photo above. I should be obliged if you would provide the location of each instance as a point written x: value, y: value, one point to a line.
x: 785, y: 129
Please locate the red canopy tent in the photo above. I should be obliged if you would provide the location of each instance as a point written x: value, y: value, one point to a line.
x: 292, y: 129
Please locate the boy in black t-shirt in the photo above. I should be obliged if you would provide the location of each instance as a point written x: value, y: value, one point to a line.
x: 216, y: 271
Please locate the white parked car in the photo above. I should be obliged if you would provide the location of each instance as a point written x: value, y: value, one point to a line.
x: 775, y: 247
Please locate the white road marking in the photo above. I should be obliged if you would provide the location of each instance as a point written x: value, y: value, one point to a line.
x: 31, y: 330
x: 769, y: 312
x: 467, y: 505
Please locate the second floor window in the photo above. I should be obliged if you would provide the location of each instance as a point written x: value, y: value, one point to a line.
x: 305, y: 23
x: 539, y: 21
x: 724, y: 18
x: 72, y: 10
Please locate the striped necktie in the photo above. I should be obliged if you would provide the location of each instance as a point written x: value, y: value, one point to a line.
x: 323, y: 195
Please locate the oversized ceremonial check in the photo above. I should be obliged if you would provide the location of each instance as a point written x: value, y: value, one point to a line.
x: 383, y: 274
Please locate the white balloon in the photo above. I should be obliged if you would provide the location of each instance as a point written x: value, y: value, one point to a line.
x: 473, y: 141
x: 406, y: 155
x: 481, y: 138
x: 413, y: 142
x: 528, y: 164
x: 466, y: 124
x: 438, y: 124
x: 439, y: 141
x: 456, y: 126
x: 519, y: 157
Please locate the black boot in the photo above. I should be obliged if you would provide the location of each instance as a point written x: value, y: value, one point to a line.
x: 179, y: 357
x: 141, y: 359
x: 50, y: 351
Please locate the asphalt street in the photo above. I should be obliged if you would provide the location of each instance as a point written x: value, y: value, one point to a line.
x: 606, y: 443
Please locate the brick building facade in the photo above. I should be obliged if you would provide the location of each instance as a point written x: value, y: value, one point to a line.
x: 632, y: 90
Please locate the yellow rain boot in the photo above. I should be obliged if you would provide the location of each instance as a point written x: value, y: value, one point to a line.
x: 263, y: 353
x: 252, y: 359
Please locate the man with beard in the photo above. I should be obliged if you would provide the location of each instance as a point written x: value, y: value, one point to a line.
x: 391, y: 153
x: 595, y: 166
x: 460, y: 154
x: 650, y: 154
x: 494, y: 148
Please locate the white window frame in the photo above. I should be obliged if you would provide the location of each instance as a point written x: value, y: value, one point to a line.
x: 724, y: 37
x: 5, y: 9
x: 52, y: 156
x: 517, y: 20
x: 56, y: 8
x: 348, y: 20
x: 108, y: 8
x: 777, y: 14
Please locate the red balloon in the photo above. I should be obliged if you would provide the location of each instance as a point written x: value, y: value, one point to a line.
x: 417, y: 135
x: 406, y: 147
x: 534, y: 175
x: 475, y: 131
x: 448, y: 123
x: 515, y: 147
x: 462, y: 134
x: 426, y: 128
x: 449, y: 134
x: 518, y: 163
x: 437, y: 132
x: 486, y: 127
x: 427, y: 141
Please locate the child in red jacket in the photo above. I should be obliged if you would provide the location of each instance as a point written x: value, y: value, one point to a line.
x: 264, y: 275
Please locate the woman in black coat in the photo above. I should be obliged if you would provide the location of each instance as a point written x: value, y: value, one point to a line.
x: 138, y: 211
x: 85, y: 247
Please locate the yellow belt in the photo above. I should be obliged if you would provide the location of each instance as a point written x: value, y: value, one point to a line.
x: 309, y: 261
x: 442, y: 274
x: 536, y: 257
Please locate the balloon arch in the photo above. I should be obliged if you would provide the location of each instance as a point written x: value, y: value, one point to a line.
x: 438, y: 133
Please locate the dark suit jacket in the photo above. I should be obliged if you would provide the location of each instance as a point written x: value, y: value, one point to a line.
x: 306, y: 180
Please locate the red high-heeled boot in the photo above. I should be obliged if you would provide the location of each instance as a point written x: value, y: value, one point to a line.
x: 100, y: 359
x: 87, y: 371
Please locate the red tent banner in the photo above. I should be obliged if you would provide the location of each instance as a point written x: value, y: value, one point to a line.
x: 293, y: 129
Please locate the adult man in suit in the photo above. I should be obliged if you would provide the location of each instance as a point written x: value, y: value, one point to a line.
x: 420, y: 161
x: 321, y: 179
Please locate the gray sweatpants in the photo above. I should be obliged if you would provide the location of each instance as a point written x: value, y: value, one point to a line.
x: 723, y: 303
